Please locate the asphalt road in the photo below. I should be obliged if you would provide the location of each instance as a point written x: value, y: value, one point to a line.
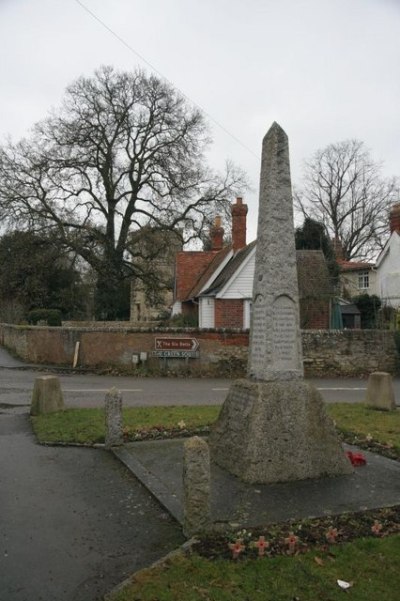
x: 88, y: 390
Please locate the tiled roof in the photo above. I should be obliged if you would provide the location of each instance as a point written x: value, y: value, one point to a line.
x: 313, y: 275
x: 212, y: 268
x: 189, y: 268
x: 354, y: 265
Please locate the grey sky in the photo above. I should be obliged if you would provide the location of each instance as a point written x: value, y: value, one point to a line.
x: 326, y: 70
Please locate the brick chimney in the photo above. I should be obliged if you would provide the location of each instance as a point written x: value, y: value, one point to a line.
x: 394, y: 218
x: 338, y: 249
x: 239, y: 212
x: 217, y: 234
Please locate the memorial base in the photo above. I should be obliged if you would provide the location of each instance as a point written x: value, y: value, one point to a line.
x: 276, y: 432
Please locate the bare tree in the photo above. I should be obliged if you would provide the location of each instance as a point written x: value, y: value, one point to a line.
x: 343, y: 189
x: 125, y: 151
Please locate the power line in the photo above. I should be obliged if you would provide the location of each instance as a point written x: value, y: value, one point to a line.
x: 142, y: 58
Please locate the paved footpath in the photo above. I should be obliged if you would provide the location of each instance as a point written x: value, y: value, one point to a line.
x: 74, y: 522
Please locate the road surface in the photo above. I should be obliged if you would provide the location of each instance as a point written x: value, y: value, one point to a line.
x: 88, y: 390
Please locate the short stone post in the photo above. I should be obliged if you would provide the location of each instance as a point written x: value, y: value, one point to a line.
x: 46, y: 396
x: 113, y: 419
x: 380, y: 393
x: 196, y: 486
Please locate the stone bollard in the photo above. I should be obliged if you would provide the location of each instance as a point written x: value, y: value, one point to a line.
x: 113, y: 417
x: 196, y: 486
x: 46, y: 396
x: 380, y: 393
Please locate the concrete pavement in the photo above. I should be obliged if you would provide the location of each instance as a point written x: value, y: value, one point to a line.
x: 159, y: 465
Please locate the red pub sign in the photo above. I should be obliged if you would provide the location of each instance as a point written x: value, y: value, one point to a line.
x: 176, y: 344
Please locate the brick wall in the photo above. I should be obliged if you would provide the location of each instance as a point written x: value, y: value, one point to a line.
x: 228, y: 313
x: 222, y: 352
x: 314, y: 314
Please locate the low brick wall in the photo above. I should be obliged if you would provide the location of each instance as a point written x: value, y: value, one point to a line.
x: 222, y: 352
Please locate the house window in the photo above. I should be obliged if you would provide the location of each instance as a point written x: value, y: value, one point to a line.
x: 363, y: 280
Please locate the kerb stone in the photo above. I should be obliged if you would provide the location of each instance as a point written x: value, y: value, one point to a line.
x: 113, y: 419
x: 196, y: 486
x: 380, y: 392
x: 47, y: 396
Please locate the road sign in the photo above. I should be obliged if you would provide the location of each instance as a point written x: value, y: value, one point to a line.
x: 176, y: 344
x: 176, y: 354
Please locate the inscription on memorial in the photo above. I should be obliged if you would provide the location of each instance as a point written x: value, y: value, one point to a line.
x: 258, y: 331
x: 284, y: 333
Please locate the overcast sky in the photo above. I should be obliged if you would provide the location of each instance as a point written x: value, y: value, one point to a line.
x: 326, y: 70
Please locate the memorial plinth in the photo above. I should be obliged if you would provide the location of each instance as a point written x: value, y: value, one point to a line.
x: 276, y: 432
x: 273, y: 426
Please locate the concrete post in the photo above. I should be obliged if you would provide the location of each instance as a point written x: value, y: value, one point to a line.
x: 46, y: 396
x: 113, y: 419
x: 380, y: 393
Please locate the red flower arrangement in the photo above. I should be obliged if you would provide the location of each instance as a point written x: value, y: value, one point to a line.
x: 356, y: 459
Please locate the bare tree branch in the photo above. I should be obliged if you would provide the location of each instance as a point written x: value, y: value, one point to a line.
x: 124, y: 151
x: 343, y: 189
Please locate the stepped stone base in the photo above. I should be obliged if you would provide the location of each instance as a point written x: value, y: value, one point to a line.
x: 276, y: 432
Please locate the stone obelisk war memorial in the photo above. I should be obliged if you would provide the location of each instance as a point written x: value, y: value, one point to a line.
x: 273, y: 426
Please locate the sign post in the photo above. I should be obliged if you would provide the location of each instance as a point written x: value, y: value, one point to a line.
x: 176, y: 348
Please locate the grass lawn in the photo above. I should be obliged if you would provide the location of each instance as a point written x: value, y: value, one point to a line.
x: 371, y: 565
x: 86, y: 426
x: 365, y: 423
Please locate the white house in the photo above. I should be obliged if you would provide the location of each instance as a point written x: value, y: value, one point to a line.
x: 388, y: 263
x: 357, y: 277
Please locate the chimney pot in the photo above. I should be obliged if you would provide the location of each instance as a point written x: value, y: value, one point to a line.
x: 217, y: 234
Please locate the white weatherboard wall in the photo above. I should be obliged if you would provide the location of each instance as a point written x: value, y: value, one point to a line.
x: 388, y: 268
x: 206, y: 312
x: 176, y: 308
x: 241, y: 284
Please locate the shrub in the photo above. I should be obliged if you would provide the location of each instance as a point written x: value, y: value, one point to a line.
x: 51, y: 316
x: 182, y: 321
x: 368, y: 306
